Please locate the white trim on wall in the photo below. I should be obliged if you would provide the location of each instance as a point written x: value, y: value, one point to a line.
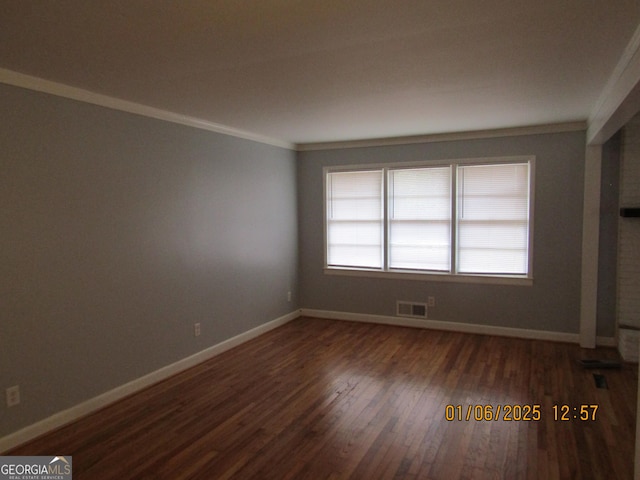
x: 29, y: 82
x: 590, y: 246
x: 447, y: 137
x: 64, y: 417
x: 454, y: 326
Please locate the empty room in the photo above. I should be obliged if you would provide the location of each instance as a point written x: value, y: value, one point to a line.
x: 319, y: 240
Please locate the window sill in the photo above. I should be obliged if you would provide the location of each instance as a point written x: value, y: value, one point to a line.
x: 432, y: 276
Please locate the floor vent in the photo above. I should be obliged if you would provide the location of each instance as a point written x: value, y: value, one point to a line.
x: 411, y: 309
x: 601, y: 381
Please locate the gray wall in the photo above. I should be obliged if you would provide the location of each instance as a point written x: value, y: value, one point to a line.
x: 552, y: 303
x: 117, y: 234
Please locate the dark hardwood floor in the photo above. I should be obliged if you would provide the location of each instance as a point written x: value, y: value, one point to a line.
x: 321, y: 399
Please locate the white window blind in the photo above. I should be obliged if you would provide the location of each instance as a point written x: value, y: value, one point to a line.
x: 420, y: 218
x: 470, y: 218
x: 493, y: 219
x: 355, y: 232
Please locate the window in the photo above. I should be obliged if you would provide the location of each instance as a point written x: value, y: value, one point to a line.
x: 420, y: 218
x: 355, y: 219
x: 467, y: 218
x: 493, y: 219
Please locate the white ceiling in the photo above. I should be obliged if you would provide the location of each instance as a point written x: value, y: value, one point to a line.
x: 313, y: 71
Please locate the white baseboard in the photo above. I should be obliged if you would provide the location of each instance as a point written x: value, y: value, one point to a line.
x: 455, y: 327
x: 64, y: 417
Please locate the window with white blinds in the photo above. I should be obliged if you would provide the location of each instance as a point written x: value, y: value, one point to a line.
x: 493, y: 219
x: 355, y: 219
x: 420, y: 218
x: 462, y: 218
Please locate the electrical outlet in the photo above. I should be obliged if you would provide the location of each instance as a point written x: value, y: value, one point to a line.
x: 196, y: 329
x: 288, y: 296
x: 13, y: 396
x: 431, y: 301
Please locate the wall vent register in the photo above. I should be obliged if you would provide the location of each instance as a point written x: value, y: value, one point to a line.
x: 411, y: 309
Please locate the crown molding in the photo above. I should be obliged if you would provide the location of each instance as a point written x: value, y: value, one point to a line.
x: 30, y: 82
x: 620, y: 97
x: 37, y: 84
x: 447, y: 137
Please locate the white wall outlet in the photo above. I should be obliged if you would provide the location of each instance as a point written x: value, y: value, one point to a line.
x: 196, y: 329
x: 288, y: 296
x: 13, y: 396
x: 431, y: 301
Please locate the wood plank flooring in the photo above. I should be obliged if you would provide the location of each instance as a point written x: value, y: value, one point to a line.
x: 321, y: 399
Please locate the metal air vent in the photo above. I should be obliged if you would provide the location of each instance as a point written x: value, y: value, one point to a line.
x: 411, y: 309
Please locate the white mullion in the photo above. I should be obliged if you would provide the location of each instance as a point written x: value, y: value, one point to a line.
x: 327, y: 195
x: 532, y: 190
x: 385, y: 219
x: 453, y: 266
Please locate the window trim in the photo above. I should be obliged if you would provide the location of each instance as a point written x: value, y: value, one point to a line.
x: 425, y: 275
